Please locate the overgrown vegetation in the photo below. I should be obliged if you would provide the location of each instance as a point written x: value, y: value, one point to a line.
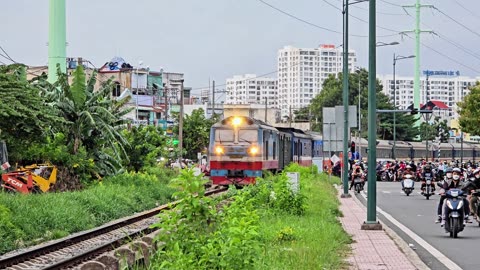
x: 28, y: 220
x: 265, y: 226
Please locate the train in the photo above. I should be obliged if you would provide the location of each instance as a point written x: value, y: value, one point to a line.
x: 241, y: 148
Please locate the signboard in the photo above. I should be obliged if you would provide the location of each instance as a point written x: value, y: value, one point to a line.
x: 333, y: 126
x: 327, y: 46
x: 293, y: 179
x: 441, y: 73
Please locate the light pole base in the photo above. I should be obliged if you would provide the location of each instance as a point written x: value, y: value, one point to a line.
x: 346, y: 195
x: 371, y: 226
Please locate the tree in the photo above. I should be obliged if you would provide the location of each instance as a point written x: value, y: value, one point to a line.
x: 331, y: 96
x: 437, y: 129
x: 196, y: 132
x: 25, y: 116
x: 93, y: 119
x: 469, y: 110
x: 146, y: 145
x: 302, y: 114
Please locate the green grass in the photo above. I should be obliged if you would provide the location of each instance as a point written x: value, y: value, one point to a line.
x: 29, y: 219
x: 316, y: 239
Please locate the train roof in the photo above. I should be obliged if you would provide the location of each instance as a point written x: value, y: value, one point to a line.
x: 248, y: 120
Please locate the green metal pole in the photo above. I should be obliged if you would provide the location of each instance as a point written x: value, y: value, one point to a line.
x: 345, y: 100
x: 395, y: 108
x: 416, y: 82
x: 372, y: 115
x: 57, y: 48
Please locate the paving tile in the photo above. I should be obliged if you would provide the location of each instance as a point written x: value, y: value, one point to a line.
x: 371, y: 250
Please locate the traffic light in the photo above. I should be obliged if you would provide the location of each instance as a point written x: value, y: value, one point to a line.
x: 352, y: 147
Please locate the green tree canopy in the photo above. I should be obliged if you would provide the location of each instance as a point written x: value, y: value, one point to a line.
x: 470, y: 111
x: 196, y: 132
x: 331, y: 96
x: 25, y: 116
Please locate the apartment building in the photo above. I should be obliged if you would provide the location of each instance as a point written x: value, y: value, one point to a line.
x: 250, y: 89
x: 302, y: 71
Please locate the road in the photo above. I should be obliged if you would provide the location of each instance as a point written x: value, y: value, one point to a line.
x: 418, y: 215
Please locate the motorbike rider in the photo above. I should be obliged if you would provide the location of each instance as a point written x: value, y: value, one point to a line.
x: 427, y: 173
x: 447, y: 185
x: 357, y: 172
x: 473, y: 185
x: 408, y: 170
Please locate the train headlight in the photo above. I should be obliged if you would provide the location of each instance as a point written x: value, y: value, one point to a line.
x: 219, y: 150
x: 237, y: 121
x: 253, y: 150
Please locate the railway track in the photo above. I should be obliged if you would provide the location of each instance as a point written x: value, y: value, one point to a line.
x: 79, y: 248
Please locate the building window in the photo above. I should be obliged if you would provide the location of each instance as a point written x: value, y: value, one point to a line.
x: 116, y: 89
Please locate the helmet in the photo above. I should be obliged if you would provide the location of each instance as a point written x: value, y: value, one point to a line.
x: 457, y: 170
x: 408, y: 167
x: 427, y: 168
x: 476, y: 171
x: 448, y: 170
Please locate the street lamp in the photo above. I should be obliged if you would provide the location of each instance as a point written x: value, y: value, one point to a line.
x: 345, y: 94
x: 380, y: 44
x: 395, y: 59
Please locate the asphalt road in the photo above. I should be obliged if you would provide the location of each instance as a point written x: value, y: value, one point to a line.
x: 418, y: 215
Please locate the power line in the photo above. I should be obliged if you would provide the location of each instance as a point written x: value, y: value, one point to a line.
x: 9, y: 58
x: 312, y: 24
x: 446, y: 56
x: 390, y: 3
x: 468, y: 10
x: 445, y: 38
x: 378, y: 12
x: 457, y: 22
x: 362, y: 20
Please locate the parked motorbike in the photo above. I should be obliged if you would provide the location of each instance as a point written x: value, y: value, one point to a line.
x: 454, y: 213
x: 408, y: 184
x: 429, y: 187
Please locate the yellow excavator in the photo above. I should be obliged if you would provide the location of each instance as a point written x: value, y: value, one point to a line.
x: 32, y: 178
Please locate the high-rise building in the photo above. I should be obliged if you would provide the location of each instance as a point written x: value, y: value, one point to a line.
x: 447, y: 89
x: 250, y: 89
x: 302, y: 71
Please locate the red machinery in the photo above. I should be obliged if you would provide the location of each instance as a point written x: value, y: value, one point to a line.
x: 17, y: 182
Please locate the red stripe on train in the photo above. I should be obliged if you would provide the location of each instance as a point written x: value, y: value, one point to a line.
x: 238, y: 165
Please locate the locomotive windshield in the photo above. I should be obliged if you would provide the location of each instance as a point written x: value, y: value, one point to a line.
x: 224, y: 135
x: 247, y: 135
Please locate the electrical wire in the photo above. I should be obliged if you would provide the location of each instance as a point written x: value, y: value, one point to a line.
x: 390, y: 3
x: 312, y: 24
x: 457, y: 22
x: 378, y: 12
x: 446, y: 56
x: 468, y: 10
x: 9, y: 58
x: 362, y: 20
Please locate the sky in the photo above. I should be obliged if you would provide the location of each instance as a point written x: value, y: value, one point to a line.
x: 216, y: 39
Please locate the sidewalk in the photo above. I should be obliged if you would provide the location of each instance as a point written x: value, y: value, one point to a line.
x: 370, y: 249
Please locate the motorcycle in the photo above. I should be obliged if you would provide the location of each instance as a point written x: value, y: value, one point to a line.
x: 454, y: 212
x: 428, y: 188
x: 476, y: 193
x: 408, y: 184
x: 358, y: 184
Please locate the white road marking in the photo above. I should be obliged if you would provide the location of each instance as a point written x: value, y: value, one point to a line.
x: 435, y: 252
x: 384, y: 191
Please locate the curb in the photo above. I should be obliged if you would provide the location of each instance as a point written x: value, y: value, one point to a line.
x: 412, y: 256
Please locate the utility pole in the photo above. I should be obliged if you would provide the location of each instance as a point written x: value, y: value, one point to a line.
x: 213, y: 98
x: 180, y: 125
x: 266, y: 99
x: 345, y: 100
x: 290, y: 116
x: 371, y: 222
x: 165, y: 93
x: 57, y: 47
x: 417, y: 31
x: 359, y: 118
